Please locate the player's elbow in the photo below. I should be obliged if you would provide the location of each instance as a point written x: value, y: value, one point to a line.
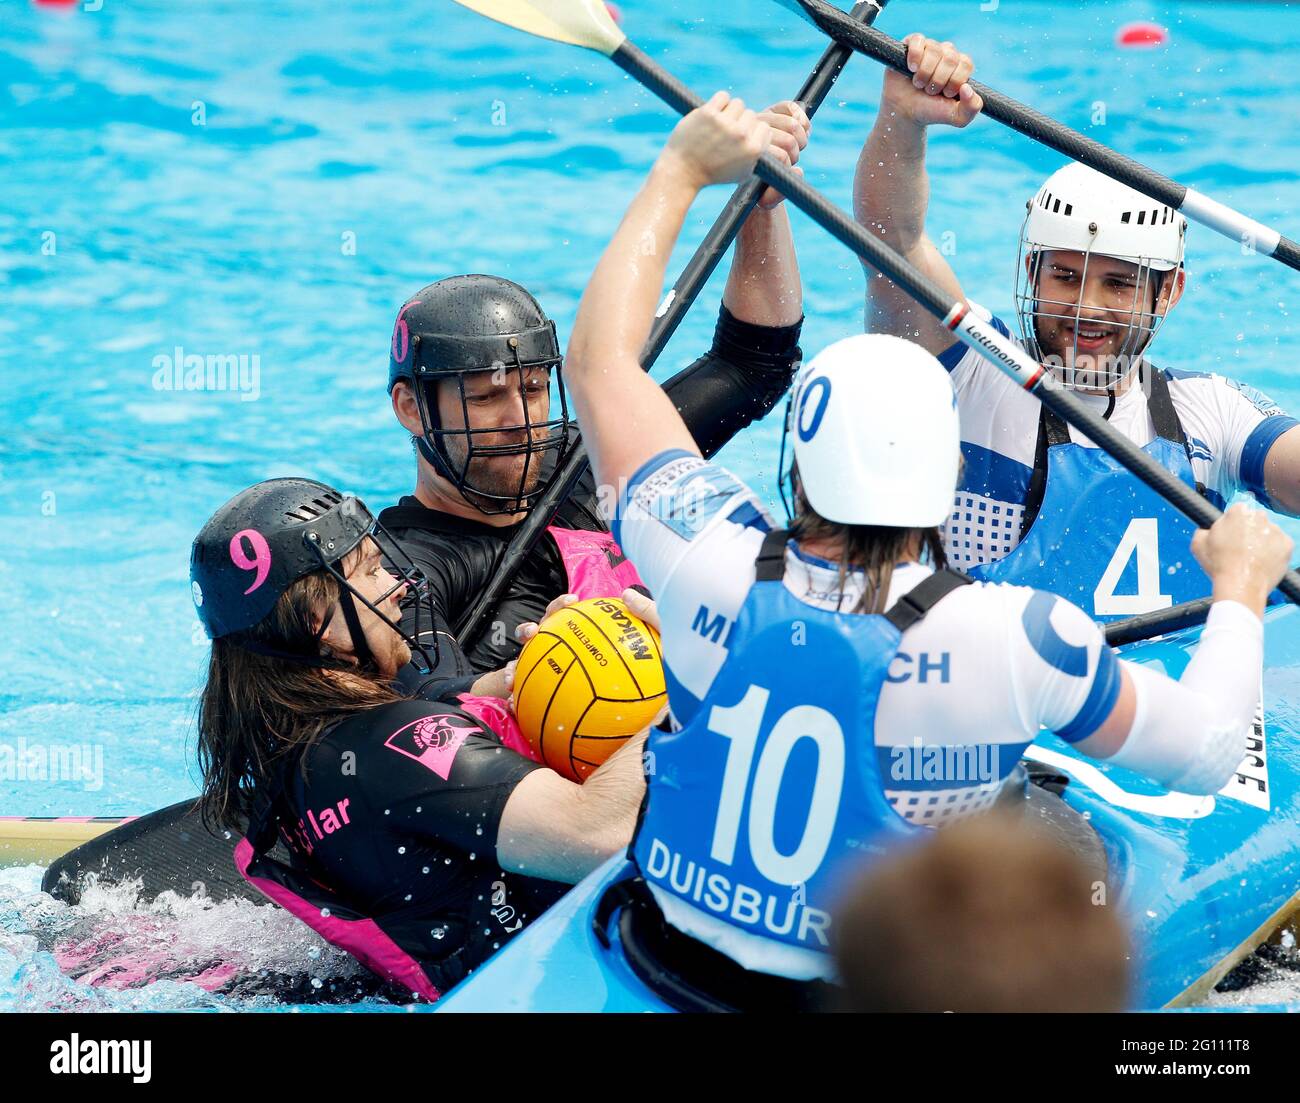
x: 1222, y: 747
x: 1188, y: 739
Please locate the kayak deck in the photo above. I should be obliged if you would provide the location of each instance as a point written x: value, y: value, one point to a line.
x: 1203, y: 879
x: 557, y: 964
x: 39, y: 840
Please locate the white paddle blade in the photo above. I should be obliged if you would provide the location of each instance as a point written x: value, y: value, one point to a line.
x: 584, y: 23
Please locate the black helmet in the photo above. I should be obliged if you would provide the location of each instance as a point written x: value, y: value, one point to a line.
x: 267, y: 537
x: 469, y: 324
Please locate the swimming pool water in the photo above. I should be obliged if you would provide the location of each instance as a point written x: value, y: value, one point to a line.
x: 271, y: 181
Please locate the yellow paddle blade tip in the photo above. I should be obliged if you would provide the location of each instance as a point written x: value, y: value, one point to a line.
x: 585, y: 23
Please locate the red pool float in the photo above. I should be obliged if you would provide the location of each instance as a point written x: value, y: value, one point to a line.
x: 1142, y: 35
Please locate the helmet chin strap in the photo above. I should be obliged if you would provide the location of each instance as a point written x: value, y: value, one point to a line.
x: 785, y: 475
x: 435, y: 460
x: 360, y: 646
x: 323, y: 662
x: 298, y: 658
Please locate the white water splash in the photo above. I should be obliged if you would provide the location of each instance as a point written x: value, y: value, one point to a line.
x: 108, y: 952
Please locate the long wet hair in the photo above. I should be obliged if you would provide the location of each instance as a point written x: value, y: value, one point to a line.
x: 257, y: 710
x: 872, y: 549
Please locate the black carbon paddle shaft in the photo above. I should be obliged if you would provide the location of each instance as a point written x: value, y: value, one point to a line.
x: 684, y: 293
x: 743, y: 200
x: 1021, y: 117
x: 937, y: 301
x: 1288, y: 252
x: 1157, y: 622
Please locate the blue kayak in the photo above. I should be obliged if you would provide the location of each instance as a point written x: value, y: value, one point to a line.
x: 1203, y: 879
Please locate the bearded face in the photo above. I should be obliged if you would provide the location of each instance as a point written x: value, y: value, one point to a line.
x: 505, y: 411
x: 1094, y: 315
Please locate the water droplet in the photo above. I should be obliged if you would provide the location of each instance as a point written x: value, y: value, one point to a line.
x: 439, y: 932
x: 425, y: 869
x: 408, y: 897
x: 325, y: 913
x: 313, y: 952
x: 472, y: 855
x: 446, y: 861
x: 478, y: 830
x: 385, y: 811
x: 401, y: 850
x: 418, y: 808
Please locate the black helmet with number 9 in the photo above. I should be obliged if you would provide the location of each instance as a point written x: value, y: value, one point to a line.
x: 262, y: 541
x: 478, y: 324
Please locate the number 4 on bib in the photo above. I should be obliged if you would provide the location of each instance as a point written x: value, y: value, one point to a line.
x: 1140, y: 539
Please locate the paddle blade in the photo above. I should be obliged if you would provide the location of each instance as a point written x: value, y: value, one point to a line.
x: 584, y: 23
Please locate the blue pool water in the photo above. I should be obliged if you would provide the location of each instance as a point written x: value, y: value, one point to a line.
x: 273, y: 180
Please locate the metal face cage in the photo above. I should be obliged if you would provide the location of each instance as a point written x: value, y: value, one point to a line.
x: 1132, y: 310
x: 541, y: 441
x: 352, y: 519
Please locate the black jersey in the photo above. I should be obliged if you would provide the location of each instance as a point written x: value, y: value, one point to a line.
x: 391, y: 819
x: 736, y: 383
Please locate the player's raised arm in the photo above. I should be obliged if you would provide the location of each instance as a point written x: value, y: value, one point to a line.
x: 763, y: 286
x: 625, y: 417
x: 891, y: 189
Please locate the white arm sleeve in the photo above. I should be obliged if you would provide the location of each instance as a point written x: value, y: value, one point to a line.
x: 1191, y: 734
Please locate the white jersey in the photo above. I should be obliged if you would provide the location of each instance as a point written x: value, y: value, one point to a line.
x: 1229, y: 428
x: 990, y: 664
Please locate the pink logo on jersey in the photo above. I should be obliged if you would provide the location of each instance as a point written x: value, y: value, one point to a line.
x: 432, y: 741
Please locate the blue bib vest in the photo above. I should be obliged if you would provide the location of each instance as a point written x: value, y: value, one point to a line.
x: 1095, y: 534
x: 755, y: 809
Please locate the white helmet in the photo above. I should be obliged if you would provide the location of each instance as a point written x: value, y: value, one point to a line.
x: 1081, y: 210
x: 876, y: 437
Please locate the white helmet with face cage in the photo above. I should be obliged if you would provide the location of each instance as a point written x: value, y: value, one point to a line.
x: 1080, y: 210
